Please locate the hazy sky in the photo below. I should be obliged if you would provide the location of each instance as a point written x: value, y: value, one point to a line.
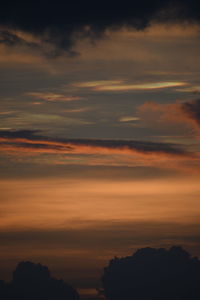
x: 99, y: 135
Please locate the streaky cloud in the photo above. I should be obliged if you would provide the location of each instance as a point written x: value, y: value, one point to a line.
x: 31, y: 141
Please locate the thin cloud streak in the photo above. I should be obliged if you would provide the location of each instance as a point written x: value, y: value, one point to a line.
x: 53, y: 97
x: 118, y: 86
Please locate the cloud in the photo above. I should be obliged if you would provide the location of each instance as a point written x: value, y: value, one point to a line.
x: 99, y: 83
x: 28, y: 146
x: 120, y: 86
x: 192, y: 110
x: 26, y: 140
x: 128, y: 119
x: 58, y: 24
x: 153, y: 274
x: 35, y: 279
x: 191, y: 89
x: 186, y: 114
x: 9, y: 38
x: 52, y: 97
x: 89, y: 242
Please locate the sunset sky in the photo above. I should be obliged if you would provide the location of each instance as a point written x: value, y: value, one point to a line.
x: 99, y: 133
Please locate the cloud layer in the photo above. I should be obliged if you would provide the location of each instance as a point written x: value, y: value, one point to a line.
x: 27, y: 140
x: 56, y: 25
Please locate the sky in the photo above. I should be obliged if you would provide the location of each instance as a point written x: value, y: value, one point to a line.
x: 99, y: 133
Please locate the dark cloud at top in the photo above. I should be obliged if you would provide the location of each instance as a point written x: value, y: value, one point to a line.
x: 60, y: 23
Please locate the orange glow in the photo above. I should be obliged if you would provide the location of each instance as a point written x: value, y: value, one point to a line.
x: 62, y: 203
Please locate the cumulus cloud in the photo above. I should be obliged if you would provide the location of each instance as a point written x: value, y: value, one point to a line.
x: 58, y: 24
x: 34, y: 281
x: 153, y: 274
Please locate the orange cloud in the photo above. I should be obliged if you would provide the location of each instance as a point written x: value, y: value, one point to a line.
x: 186, y: 114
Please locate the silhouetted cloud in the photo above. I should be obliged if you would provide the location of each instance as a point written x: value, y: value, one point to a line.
x: 60, y: 23
x: 153, y: 274
x: 34, y: 282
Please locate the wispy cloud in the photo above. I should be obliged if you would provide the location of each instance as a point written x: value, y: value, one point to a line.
x: 129, y: 151
x: 53, y: 97
x: 121, y: 85
x: 190, y: 89
x: 128, y: 119
x: 2, y: 113
x: 99, y: 83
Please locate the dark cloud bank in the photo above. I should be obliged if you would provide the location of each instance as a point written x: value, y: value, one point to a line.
x: 60, y: 23
x: 149, y: 273
x: 153, y: 274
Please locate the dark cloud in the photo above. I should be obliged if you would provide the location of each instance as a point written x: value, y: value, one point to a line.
x: 153, y: 274
x: 26, y: 139
x: 60, y: 23
x: 192, y: 110
x: 90, y: 245
x: 33, y: 281
x: 18, y: 134
x: 11, y: 39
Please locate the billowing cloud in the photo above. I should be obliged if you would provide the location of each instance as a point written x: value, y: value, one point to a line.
x: 59, y: 24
